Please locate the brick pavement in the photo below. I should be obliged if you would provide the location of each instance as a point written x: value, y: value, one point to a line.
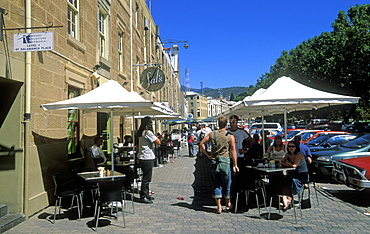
x: 187, y: 178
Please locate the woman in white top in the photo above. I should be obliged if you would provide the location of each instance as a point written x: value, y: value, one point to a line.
x: 277, y: 150
x: 146, y: 156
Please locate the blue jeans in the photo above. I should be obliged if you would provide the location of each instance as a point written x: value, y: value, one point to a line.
x: 221, y: 182
x: 298, y: 182
x: 191, y: 148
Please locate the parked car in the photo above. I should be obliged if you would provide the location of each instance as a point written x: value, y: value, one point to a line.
x: 319, y: 124
x: 267, y: 126
x: 308, y: 137
x: 328, y: 141
x: 358, y: 147
x: 353, y: 172
x: 290, y: 131
x: 307, y: 133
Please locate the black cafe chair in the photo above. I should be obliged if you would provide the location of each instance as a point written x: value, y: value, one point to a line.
x: 251, y: 184
x: 65, y: 188
x: 311, y: 180
x: 127, y: 188
x: 280, y: 185
x: 109, y: 191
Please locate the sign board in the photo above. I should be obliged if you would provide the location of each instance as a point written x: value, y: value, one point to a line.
x: 152, y: 79
x: 23, y: 42
x: 175, y: 136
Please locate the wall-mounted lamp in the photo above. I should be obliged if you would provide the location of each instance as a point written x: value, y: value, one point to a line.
x: 95, y: 75
x: 186, y: 45
x: 125, y: 83
x: 97, y: 67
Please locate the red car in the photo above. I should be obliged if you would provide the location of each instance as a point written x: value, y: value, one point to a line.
x: 353, y: 172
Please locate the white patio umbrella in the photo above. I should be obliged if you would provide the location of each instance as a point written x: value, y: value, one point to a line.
x: 286, y: 95
x: 111, y: 98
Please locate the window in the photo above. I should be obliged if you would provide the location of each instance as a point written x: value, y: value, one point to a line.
x: 73, y: 126
x: 198, y: 112
x: 120, y: 51
x: 192, y: 111
x: 191, y: 104
x: 136, y: 15
x: 73, y: 22
x: 198, y: 103
x: 103, y: 33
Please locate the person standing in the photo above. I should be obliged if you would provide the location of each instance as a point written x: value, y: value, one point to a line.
x: 146, y: 156
x: 303, y: 149
x: 223, y: 145
x: 191, y: 144
x: 239, y: 135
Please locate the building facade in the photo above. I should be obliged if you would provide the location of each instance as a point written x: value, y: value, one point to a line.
x: 197, y: 105
x: 94, y: 41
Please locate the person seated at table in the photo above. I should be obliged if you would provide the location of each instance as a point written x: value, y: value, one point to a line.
x: 277, y: 150
x: 128, y: 140
x: 97, y: 153
x: 255, y: 151
x: 293, y: 158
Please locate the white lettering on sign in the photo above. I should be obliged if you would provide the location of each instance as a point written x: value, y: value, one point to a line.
x: 153, y: 79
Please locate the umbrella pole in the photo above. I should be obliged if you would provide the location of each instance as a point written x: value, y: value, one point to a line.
x: 263, y: 133
x: 285, y: 125
x: 111, y: 139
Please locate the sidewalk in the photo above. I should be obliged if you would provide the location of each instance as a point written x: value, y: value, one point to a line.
x: 189, y: 180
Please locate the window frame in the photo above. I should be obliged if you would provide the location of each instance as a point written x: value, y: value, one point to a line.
x: 73, y: 20
x: 103, y: 32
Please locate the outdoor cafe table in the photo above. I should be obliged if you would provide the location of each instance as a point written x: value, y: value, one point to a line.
x: 275, y: 178
x: 273, y: 170
x: 94, y: 176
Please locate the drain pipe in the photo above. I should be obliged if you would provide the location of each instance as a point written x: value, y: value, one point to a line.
x: 131, y: 51
x: 27, y: 115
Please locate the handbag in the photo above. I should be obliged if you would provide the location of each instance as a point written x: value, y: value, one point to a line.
x: 223, y: 163
x: 306, y: 203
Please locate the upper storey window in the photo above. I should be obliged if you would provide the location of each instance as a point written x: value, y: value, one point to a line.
x: 103, y: 33
x: 73, y: 22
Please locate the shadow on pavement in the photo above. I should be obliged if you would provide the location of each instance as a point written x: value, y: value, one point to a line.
x: 202, y: 184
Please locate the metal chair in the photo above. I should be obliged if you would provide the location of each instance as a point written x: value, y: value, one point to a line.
x: 109, y: 191
x: 64, y: 189
x: 127, y: 186
x: 312, y: 175
x: 280, y: 185
x: 254, y: 188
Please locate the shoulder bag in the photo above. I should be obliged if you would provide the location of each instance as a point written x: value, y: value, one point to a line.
x: 223, y: 163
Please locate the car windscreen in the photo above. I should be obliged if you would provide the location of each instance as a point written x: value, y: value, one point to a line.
x: 307, y: 136
x: 292, y: 133
x: 358, y: 142
x: 338, y: 140
x: 318, y: 141
x: 265, y: 126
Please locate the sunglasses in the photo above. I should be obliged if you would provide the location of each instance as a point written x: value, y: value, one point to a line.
x: 233, y: 122
x: 291, y: 146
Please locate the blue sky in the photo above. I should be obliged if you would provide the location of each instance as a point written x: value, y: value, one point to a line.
x: 232, y: 43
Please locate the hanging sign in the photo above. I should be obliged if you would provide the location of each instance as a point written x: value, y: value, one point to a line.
x: 23, y: 42
x: 152, y: 79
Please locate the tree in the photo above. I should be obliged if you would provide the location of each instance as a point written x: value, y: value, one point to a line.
x: 336, y: 61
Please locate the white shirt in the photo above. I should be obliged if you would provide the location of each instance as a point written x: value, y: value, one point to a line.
x: 239, y: 135
x: 146, y: 145
x: 97, y: 152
